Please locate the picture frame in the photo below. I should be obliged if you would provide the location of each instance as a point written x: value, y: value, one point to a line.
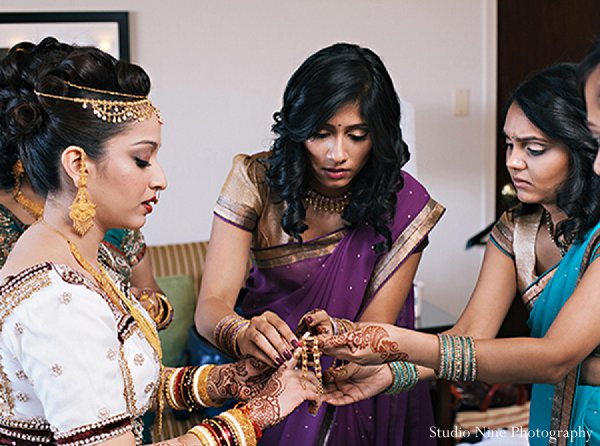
x: 107, y: 30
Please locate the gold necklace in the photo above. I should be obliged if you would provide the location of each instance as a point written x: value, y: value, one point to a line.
x: 332, y: 205
x: 117, y: 297
x: 34, y: 209
x: 562, y: 247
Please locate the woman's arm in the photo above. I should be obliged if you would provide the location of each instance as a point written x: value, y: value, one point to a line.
x: 390, y: 298
x: 490, y: 301
x: 266, y: 337
x: 142, y: 275
x: 285, y: 390
x: 570, y: 339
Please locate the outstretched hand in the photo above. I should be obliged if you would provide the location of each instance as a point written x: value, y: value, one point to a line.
x: 368, y: 344
x: 351, y: 383
x: 285, y: 390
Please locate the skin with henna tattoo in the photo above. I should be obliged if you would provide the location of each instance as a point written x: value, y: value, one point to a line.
x: 241, y: 380
x: 265, y: 410
x: 371, y: 337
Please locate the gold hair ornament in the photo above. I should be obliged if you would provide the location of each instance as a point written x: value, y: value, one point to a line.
x: 113, y: 111
x: 34, y: 209
x: 82, y: 211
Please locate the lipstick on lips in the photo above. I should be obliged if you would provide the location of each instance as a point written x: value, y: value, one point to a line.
x: 148, y: 204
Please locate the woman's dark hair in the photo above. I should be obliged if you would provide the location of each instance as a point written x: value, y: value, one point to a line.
x: 41, y: 127
x: 589, y: 63
x: 551, y: 101
x: 327, y: 80
x: 17, y: 69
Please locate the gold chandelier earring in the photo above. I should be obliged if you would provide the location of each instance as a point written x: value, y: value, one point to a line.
x: 82, y: 211
x: 34, y: 209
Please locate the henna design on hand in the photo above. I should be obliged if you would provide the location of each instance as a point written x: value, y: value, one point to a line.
x: 265, y: 410
x: 241, y: 380
x: 372, y: 337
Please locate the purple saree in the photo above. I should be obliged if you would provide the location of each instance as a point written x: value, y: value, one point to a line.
x: 340, y: 273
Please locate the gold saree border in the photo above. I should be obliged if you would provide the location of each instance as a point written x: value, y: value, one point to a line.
x: 404, y: 244
x: 531, y: 294
x: 236, y: 213
x: 295, y: 252
x: 524, y: 237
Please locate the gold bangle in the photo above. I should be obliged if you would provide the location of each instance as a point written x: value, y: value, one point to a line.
x: 246, y: 425
x: 203, y: 435
x: 202, y: 387
x: 234, y: 428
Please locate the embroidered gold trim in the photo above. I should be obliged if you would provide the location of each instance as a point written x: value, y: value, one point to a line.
x: 295, y: 252
x: 127, y: 382
x: 410, y: 238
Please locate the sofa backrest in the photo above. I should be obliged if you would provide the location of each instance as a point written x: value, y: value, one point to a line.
x: 179, y: 259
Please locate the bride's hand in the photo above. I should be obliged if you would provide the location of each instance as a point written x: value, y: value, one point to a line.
x: 370, y: 343
x: 285, y: 390
x: 241, y: 380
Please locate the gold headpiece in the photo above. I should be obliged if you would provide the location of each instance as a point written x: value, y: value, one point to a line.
x: 114, y: 111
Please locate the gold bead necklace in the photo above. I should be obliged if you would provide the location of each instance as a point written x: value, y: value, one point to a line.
x: 331, y: 205
x: 118, y: 298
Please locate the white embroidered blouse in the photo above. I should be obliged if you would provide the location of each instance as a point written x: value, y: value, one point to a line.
x: 74, y: 368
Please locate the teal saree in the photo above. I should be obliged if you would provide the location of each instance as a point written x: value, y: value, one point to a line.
x: 565, y: 413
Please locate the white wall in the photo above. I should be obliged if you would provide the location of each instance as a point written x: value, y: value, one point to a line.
x: 219, y: 68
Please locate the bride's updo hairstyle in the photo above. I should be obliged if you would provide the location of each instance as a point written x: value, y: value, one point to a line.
x: 59, y: 104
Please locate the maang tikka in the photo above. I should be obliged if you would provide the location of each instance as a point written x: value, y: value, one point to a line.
x: 82, y: 211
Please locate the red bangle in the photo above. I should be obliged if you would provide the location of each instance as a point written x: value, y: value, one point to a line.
x: 210, y: 429
x: 176, y: 387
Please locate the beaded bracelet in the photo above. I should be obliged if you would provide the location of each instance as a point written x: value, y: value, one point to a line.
x: 406, y: 376
x: 458, y: 360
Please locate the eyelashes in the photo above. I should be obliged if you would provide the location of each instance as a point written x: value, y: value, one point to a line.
x: 141, y: 163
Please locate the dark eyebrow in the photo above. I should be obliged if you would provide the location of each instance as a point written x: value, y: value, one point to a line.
x: 149, y: 142
x: 527, y: 139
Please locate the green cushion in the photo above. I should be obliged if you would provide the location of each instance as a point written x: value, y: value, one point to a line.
x: 182, y: 295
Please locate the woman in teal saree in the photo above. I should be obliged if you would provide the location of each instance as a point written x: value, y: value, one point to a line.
x: 550, y: 156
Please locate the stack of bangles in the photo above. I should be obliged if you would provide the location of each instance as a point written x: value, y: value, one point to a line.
x: 406, y: 375
x: 226, y: 333
x: 231, y: 428
x: 185, y: 388
x: 341, y: 326
x: 162, y: 311
x: 458, y: 361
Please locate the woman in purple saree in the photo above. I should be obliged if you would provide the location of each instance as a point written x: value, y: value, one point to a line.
x: 331, y: 222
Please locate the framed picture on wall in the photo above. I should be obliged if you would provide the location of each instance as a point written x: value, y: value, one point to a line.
x: 108, y: 31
